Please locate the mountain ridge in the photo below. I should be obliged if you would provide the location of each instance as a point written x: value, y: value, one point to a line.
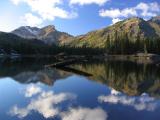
x: 47, y: 34
x: 129, y: 36
x: 133, y: 27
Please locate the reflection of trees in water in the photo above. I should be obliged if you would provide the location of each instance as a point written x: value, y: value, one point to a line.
x: 128, y: 77
x: 12, y: 67
x: 31, y: 71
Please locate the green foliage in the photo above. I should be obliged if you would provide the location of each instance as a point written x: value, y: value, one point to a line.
x: 9, y: 42
x: 130, y: 36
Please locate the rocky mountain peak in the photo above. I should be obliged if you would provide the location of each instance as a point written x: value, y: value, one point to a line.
x: 49, y: 28
x: 47, y: 34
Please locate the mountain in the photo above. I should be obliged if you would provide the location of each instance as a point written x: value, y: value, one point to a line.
x: 155, y: 23
x: 10, y: 42
x: 130, y: 36
x: 133, y: 27
x: 26, y: 32
x: 48, y: 34
x: 155, y: 20
x: 127, y: 36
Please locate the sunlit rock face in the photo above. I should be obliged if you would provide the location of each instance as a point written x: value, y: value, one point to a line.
x: 133, y: 27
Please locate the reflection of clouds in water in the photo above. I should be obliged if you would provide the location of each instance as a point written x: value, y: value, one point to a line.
x: 114, y: 92
x: 143, y: 102
x: 44, y: 103
x: 20, y: 112
x: 84, y: 114
x: 32, y: 90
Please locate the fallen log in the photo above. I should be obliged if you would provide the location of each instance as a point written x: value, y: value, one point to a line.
x: 75, y: 71
x: 63, y: 63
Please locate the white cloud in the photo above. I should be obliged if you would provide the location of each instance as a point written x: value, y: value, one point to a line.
x: 115, y: 13
x: 129, y: 12
x: 87, y: 2
x: 149, y: 9
x: 32, y: 90
x: 143, y: 102
x: 45, y: 104
x: 115, y: 20
x: 84, y: 114
x: 142, y: 10
x: 16, y: 2
x: 31, y: 20
x: 46, y: 9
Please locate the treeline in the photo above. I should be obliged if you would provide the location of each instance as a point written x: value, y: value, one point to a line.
x: 10, y: 42
x: 125, y: 45
x: 119, y: 45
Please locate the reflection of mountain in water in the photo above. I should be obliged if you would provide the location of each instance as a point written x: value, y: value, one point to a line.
x: 128, y: 77
x: 124, y: 76
x: 47, y: 76
x: 31, y: 71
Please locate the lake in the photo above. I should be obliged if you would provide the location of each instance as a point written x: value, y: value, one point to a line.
x: 95, y: 90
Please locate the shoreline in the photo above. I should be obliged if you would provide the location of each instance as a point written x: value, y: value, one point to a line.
x: 146, y: 58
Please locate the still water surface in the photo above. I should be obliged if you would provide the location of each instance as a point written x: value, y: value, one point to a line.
x: 112, y: 90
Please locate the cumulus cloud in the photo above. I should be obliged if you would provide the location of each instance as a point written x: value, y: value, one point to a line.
x: 142, y: 9
x: 149, y: 9
x: 84, y: 114
x: 86, y: 2
x: 45, y: 103
x: 114, y: 13
x: 46, y: 9
x: 143, y: 102
x: 30, y: 20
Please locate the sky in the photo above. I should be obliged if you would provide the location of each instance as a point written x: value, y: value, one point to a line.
x: 75, y: 17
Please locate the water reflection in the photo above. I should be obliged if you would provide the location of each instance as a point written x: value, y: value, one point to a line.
x: 128, y: 77
x: 111, y: 90
x: 84, y: 114
x: 46, y: 76
x: 47, y: 103
x: 32, y: 90
x: 143, y: 102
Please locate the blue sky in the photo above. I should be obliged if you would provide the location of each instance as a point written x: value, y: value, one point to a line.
x: 75, y: 17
